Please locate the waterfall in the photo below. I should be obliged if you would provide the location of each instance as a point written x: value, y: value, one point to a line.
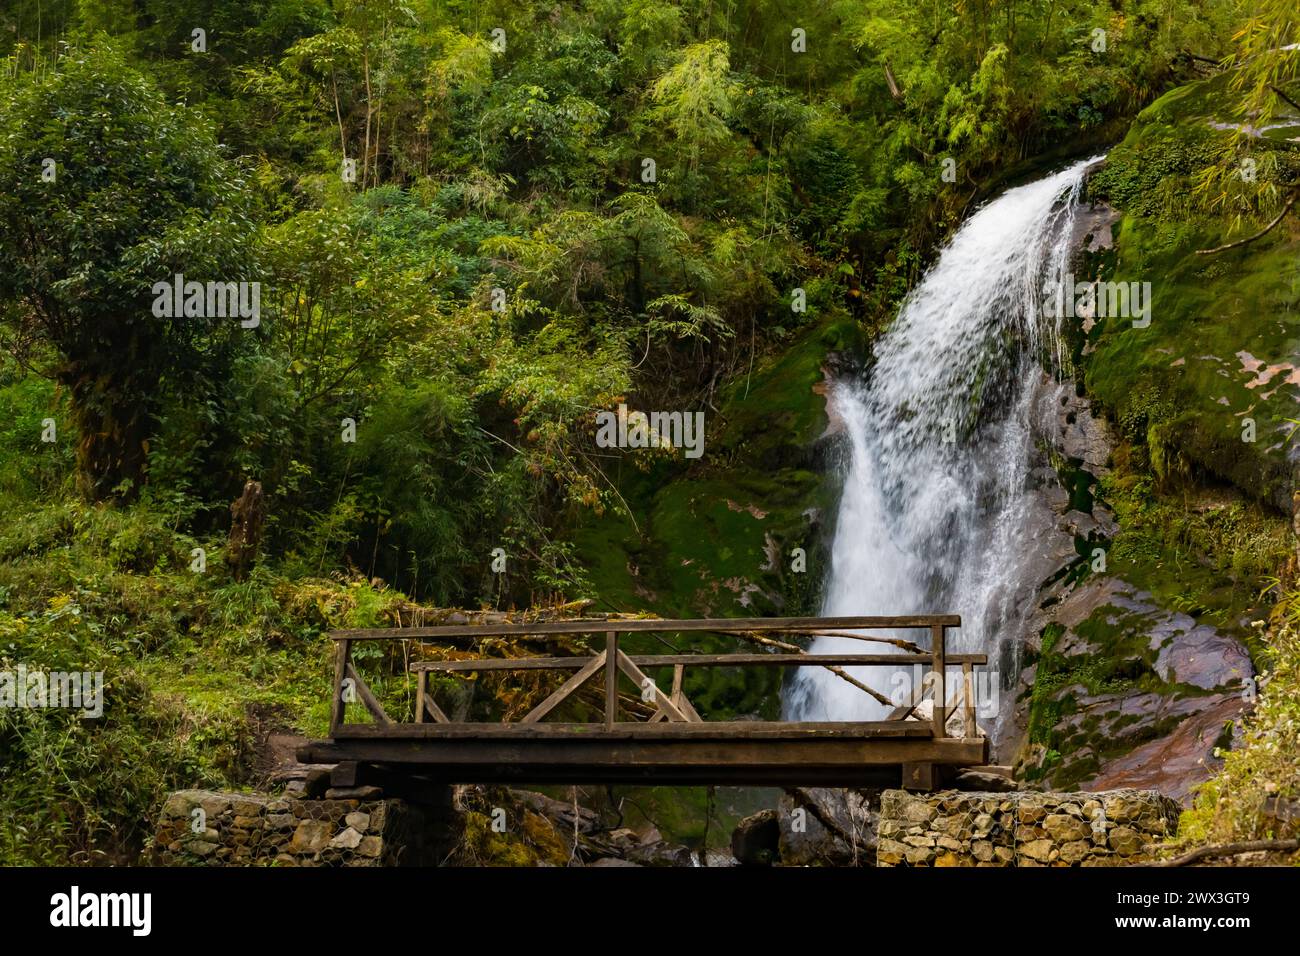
x: 940, y: 443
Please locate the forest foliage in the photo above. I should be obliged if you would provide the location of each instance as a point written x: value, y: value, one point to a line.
x: 461, y: 251
x: 494, y: 146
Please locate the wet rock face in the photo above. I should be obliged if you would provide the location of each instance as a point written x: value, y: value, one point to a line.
x: 948, y: 828
x: 1112, y: 689
x: 1123, y: 693
x: 1177, y: 762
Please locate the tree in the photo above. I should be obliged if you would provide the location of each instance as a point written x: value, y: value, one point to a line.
x: 693, y: 98
x: 106, y: 190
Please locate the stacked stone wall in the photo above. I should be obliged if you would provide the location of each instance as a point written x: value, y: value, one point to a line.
x: 207, y: 828
x: 954, y: 828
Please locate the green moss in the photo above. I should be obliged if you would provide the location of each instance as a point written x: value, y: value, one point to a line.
x: 1207, y: 552
x: 1188, y: 386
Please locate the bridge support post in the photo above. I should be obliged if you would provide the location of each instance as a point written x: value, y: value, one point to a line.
x: 337, y: 706
x: 611, y: 679
x: 937, y: 667
x: 919, y: 776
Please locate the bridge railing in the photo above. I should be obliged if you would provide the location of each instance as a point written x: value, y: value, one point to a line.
x: 612, y: 660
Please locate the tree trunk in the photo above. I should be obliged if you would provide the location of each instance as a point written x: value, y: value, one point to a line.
x: 112, y: 413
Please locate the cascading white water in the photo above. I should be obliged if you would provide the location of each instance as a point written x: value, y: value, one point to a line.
x: 940, y: 443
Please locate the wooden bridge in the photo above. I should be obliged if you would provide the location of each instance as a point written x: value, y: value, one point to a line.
x: 654, y: 736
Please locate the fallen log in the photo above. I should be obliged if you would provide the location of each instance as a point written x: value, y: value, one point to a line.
x: 1231, y: 849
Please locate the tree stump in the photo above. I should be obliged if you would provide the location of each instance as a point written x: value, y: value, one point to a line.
x: 248, y: 514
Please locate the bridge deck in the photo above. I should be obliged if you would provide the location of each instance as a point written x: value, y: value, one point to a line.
x: 741, y: 752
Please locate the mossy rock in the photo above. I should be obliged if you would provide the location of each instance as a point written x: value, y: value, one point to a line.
x: 1212, y: 385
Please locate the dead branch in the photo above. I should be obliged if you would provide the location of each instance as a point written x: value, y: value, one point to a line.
x: 805, y: 799
x: 895, y: 641
x: 837, y: 671
x: 894, y: 91
x: 1294, y: 104
x: 1259, y: 235
x: 1231, y: 849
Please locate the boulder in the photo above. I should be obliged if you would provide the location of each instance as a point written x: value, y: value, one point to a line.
x: 756, y: 841
x: 806, y: 841
x: 979, y: 780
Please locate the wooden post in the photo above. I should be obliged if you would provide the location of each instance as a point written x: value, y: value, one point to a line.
x: 337, y: 708
x: 421, y: 679
x: 937, y: 669
x: 968, y: 695
x: 918, y: 776
x: 611, y: 679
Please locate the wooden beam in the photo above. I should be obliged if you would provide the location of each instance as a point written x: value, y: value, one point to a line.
x: 639, y: 678
x: 435, y: 711
x: 370, y: 700
x: 592, y: 665
x: 342, y: 652
x: 693, y: 660
x: 937, y: 668
x: 918, y: 776
x: 718, y: 625
x: 344, y: 774
x: 596, y: 757
x: 421, y: 680
x: 611, y: 679
x: 968, y: 697
x: 679, y: 694
x: 720, y: 730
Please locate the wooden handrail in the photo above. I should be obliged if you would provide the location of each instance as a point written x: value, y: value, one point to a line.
x: 673, y: 707
x: 694, y: 660
x: 636, y: 625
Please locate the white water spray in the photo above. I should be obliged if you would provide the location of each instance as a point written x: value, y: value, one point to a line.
x: 940, y: 445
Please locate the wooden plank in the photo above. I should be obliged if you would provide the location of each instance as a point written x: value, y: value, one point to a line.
x: 968, y: 697
x: 564, y: 690
x: 637, y: 759
x: 421, y: 680
x: 720, y: 625
x: 693, y: 660
x: 435, y: 711
x: 611, y: 679
x: 937, y: 669
x: 713, y: 729
x: 343, y: 651
x: 639, y: 678
x: 679, y: 694
x: 370, y: 700
x: 918, y: 776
